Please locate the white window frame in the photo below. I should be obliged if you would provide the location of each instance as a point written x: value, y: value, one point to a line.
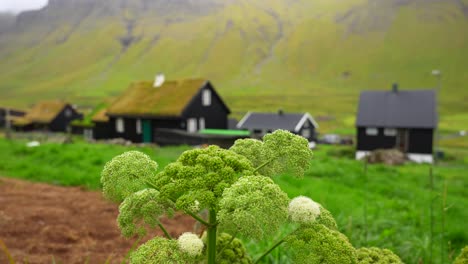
x: 120, y: 125
x: 138, y: 126
x: 305, y: 133
x: 372, y: 131
x: 192, y: 125
x: 206, y: 97
x: 390, y: 132
x: 201, y: 123
x: 68, y: 112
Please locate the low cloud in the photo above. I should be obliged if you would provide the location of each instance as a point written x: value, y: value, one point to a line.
x: 16, y: 6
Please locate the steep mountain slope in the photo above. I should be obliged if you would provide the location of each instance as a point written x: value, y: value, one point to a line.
x: 319, y: 53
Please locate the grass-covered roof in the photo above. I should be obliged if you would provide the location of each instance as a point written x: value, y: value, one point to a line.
x: 43, y: 112
x: 100, y: 116
x: 169, y: 99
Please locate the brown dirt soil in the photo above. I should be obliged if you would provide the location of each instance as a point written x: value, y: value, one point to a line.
x: 41, y: 223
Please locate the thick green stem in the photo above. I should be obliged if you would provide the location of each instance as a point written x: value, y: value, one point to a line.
x: 271, y: 249
x: 212, y: 238
x: 165, y: 231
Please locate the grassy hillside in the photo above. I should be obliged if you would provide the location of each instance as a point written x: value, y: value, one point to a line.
x: 396, y: 200
x: 296, y: 55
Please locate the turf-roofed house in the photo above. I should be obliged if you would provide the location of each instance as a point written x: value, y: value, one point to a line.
x: 397, y: 119
x: 260, y: 124
x: 186, y: 105
x: 52, y: 116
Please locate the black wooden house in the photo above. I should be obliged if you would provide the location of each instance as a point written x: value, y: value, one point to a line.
x: 397, y: 119
x: 188, y: 105
x: 260, y: 124
x: 52, y: 116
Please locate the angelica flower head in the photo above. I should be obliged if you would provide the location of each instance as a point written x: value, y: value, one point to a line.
x: 190, y: 244
x: 279, y: 152
x: 160, y: 250
x: 377, y: 255
x: 198, y: 178
x: 141, y: 209
x: 303, y: 210
x: 316, y: 244
x: 126, y: 174
x: 254, y: 206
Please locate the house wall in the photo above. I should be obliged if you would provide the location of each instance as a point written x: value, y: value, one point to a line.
x: 61, y: 121
x: 311, y: 128
x: 130, y: 132
x: 215, y: 114
x: 103, y: 130
x: 421, y: 141
x: 379, y: 141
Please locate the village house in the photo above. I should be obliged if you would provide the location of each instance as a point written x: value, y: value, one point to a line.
x: 189, y: 105
x: 397, y: 119
x: 7, y: 114
x: 260, y: 124
x: 52, y: 116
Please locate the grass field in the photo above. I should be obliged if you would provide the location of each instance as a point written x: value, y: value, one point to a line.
x: 396, y: 200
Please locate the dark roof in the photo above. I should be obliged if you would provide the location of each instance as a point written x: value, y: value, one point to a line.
x: 406, y: 109
x: 287, y: 121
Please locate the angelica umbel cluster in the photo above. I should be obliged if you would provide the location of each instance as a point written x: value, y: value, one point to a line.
x: 231, y: 192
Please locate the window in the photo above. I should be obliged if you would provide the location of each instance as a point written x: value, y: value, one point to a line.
x: 390, y: 132
x: 372, y: 131
x: 192, y: 125
x: 119, y: 125
x: 138, y: 126
x: 68, y: 113
x: 206, y: 97
x: 305, y: 133
x: 201, y: 123
x: 88, y: 133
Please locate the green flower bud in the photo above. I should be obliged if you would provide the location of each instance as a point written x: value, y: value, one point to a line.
x: 126, y: 174
x: 375, y: 255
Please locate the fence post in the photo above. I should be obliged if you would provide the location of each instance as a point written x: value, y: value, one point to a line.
x: 365, y: 200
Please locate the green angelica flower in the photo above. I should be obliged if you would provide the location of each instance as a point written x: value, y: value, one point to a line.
x: 303, y: 210
x: 198, y: 178
x: 316, y: 244
x: 233, y: 251
x: 190, y: 244
x: 280, y: 152
x: 326, y: 218
x: 142, y: 207
x: 463, y: 257
x: 292, y: 152
x: 254, y: 206
x: 160, y: 250
x: 254, y: 150
x: 126, y: 174
x: 375, y: 255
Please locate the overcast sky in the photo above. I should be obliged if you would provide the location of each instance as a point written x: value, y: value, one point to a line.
x: 17, y: 6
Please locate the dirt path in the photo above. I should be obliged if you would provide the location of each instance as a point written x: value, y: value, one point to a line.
x: 40, y: 223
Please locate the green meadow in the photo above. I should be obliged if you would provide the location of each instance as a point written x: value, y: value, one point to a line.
x: 387, y: 206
